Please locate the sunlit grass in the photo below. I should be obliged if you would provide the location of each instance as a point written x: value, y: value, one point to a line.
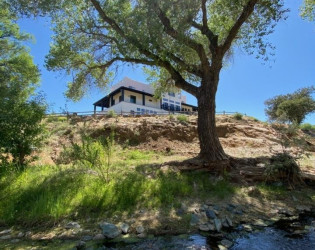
x: 50, y: 193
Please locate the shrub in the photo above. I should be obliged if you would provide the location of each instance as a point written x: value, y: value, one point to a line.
x: 238, y: 116
x: 307, y: 126
x: 111, y: 113
x: 182, y: 118
x: 90, y: 153
x: 283, y: 167
x: 171, y: 117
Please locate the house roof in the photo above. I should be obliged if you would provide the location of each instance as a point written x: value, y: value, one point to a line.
x: 189, y: 105
x: 104, y: 102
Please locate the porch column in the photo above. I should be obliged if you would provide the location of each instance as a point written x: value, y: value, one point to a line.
x: 111, y: 100
x: 94, y: 109
x: 143, y: 99
x: 122, y: 91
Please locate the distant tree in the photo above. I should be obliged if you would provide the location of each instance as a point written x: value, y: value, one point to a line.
x: 186, y: 42
x: 20, y: 116
x: 308, y: 10
x: 291, y: 108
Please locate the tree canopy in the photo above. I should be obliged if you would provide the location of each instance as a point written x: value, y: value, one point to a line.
x: 308, y: 10
x: 291, y: 108
x: 91, y: 37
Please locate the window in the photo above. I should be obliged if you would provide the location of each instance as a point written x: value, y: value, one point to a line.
x: 177, y: 102
x: 172, y: 107
x: 113, y: 102
x: 171, y: 101
x: 164, y: 99
x: 142, y: 111
x: 120, y: 98
x: 177, y: 108
x: 133, y: 99
x: 151, y: 111
x: 150, y: 100
x: 147, y: 111
x: 171, y: 94
x: 155, y: 112
x: 165, y: 106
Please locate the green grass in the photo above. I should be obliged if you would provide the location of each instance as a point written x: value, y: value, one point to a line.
x: 182, y: 118
x: 47, y: 194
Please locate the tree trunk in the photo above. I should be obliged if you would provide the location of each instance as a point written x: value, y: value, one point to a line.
x: 210, y: 146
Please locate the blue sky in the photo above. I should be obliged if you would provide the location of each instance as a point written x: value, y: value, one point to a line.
x: 244, y: 85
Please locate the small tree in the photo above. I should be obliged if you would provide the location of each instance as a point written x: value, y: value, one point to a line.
x: 20, y: 117
x: 291, y: 108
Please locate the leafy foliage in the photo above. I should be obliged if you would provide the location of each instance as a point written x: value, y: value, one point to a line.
x: 238, y: 116
x: 91, y: 154
x: 291, y: 108
x: 182, y: 118
x: 173, y: 38
x: 283, y: 167
x: 308, y: 10
x: 20, y: 117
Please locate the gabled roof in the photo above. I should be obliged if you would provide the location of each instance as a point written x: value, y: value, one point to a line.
x: 104, y: 102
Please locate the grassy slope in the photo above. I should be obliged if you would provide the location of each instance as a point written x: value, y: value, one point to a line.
x: 48, y: 193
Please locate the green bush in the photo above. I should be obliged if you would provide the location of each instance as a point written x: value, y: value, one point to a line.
x: 111, y: 113
x: 307, y: 126
x: 182, y: 118
x: 283, y: 167
x: 90, y: 153
x: 238, y: 116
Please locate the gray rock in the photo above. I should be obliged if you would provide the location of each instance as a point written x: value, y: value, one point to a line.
x: 227, y: 243
x: 124, y: 228
x: 294, y: 198
x: 28, y: 234
x: 99, y: 237
x: 72, y: 225
x: 6, y: 237
x: 80, y: 245
x: 218, y: 224
x: 194, y: 220
x: 20, y: 235
x: 303, y: 208
x: 210, y: 214
x: 229, y: 221
x: 260, y: 223
x: 140, y: 229
x: 110, y: 230
x: 87, y: 238
x: 7, y: 231
x: 224, y: 223
x: 204, y: 227
x: 142, y: 235
x: 15, y: 241
x: 211, y: 227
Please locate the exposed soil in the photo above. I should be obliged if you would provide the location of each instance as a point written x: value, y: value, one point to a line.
x: 249, y: 142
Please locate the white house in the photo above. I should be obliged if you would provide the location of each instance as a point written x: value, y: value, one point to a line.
x: 129, y: 96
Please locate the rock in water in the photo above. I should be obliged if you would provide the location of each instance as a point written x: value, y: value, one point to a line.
x: 218, y: 224
x: 110, y: 230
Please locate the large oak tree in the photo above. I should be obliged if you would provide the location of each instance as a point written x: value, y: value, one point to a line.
x: 187, y: 42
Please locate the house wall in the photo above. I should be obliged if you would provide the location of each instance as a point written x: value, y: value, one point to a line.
x: 127, y: 82
x: 187, y: 108
x: 126, y: 107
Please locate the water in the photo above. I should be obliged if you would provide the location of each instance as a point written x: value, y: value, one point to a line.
x: 285, y: 235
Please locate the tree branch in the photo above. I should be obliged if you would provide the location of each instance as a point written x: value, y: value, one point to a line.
x: 180, y: 82
x: 179, y: 37
x: 247, y: 11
